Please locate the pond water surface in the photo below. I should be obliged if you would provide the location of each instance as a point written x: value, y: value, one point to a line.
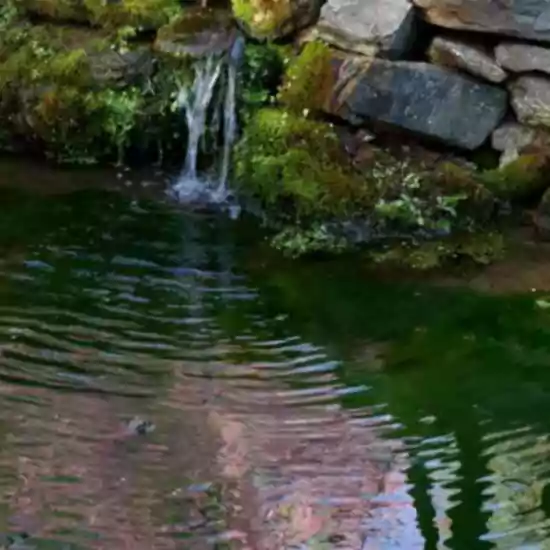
x: 294, y: 405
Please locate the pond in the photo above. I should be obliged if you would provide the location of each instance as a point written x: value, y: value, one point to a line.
x: 165, y: 385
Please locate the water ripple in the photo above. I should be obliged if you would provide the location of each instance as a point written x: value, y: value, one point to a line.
x: 119, y: 317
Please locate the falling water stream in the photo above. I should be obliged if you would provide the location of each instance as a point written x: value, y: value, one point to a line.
x: 215, y: 81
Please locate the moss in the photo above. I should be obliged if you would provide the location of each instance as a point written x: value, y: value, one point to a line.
x: 60, y: 95
x: 316, y: 200
x: 310, y: 79
x: 289, y: 159
x: 263, y: 18
x: 66, y: 10
x: 480, y: 248
x: 135, y: 13
x: 523, y: 178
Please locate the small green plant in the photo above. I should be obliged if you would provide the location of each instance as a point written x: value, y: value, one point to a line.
x: 261, y: 75
x: 318, y: 238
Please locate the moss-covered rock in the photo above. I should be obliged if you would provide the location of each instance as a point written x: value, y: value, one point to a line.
x: 317, y: 201
x: 522, y: 179
x: 271, y: 19
x: 135, y: 13
x: 80, y: 95
x: 284, y: 158
x: 63, y: 10
x: 197, y: 32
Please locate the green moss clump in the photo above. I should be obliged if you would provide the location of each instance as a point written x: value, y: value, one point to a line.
x: 263, y: 18
x: 523, y: 178
x: 133, y: 13
x: 310, y: 79
x: 299, y: 162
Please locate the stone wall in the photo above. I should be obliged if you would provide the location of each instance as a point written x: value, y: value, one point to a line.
x: 464, y: 73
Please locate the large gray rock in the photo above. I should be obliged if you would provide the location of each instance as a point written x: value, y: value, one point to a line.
x: 522, y: 18
x: 523, y: 58
x: 474, y: 59
x: 531, y: 100
x: 422, y: 98
x: 370, y: 27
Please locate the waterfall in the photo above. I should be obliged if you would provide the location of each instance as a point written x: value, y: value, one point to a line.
x: 215, y: 81
x: 229, y: 128
x: 195, y: 103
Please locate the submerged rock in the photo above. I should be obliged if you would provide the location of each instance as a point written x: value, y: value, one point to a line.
x: 197, y: 32
x: 139, y: 426
x: 369, y: 27
x: 272, y: 19
x: 528, y: 19
x: 421, y: 98
x: 473, y: 59
x: 531, y: 100
x: 523, y: 58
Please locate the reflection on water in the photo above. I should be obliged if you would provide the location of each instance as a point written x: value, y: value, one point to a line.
x: 297, y: 407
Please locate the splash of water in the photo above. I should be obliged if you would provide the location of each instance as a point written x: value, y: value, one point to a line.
x: 213, y: 74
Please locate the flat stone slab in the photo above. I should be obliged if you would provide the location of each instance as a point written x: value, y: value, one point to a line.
x: 521, y: 18
x: 471, y: 58
x: 425, y: 99
x: 523, y: 58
